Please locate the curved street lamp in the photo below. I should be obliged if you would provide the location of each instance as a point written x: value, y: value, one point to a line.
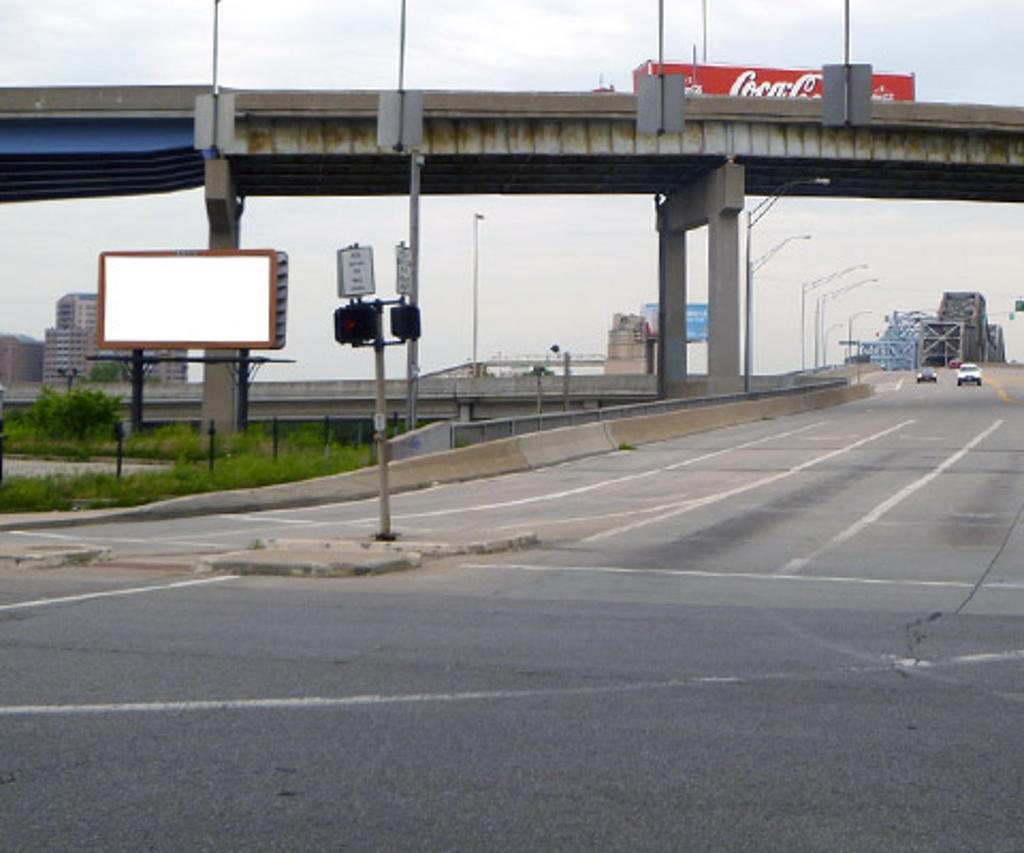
x: 828, y: 332
x: 823, y: 302
x: 753, y: 217
x: 806, y: 288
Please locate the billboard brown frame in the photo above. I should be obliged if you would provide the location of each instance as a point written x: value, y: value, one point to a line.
x: 269, y: 343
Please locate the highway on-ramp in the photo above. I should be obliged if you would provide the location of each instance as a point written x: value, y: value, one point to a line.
x: 802, y: 633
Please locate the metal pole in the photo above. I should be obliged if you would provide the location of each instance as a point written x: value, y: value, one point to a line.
x: 846, y: 34
x: 242, y: 408
x: 137, y: 379
x: 846, y: 59
x: 119, y: 437
x: 704, y: 16
x: 476, y: 288
x: 817, y: 329
x: 380, y: 425
x: 412, y: 369
x: 565, y: 381
x: 803, y: 327
x: 661, y: 65
x: 216, y: 84
x: 401, y: 54
x: 748, y: 325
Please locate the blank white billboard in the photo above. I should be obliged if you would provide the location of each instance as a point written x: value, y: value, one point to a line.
x: 188, y: 300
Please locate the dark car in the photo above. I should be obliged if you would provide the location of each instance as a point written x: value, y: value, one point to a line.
x: 927, y: 374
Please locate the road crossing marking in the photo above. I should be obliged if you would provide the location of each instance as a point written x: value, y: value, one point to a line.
x: 113, y: 593
x: 710, y: 575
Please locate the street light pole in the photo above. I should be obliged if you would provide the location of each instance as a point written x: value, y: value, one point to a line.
x: 849, y: 330
x: 753, y: 217
x: 825, y: 341
x: 822, y: 302
x: 806, y: 288
x: 477, y: 217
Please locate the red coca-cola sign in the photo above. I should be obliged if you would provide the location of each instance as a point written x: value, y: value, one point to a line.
x: 748, y: 81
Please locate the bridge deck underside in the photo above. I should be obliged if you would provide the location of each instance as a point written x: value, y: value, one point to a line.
x: 299, y: 175
x: 27, y: 178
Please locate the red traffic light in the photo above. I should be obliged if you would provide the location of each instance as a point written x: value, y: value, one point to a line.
x: 355, y: 323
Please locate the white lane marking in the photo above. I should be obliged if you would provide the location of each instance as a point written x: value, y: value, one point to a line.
x: 708, y: 575
x: 69, y: 599
x: 369, y: 700
x: 553, y: 496
x: 698, y: 503
x: 124, y: 540
x: 984, y: 657
x: 886, y: 505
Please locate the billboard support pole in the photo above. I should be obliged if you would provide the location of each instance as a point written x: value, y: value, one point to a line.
x: 242, y: 415
x: 138, y: 374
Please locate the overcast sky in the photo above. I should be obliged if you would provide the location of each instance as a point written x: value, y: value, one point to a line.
x: 553, y: 269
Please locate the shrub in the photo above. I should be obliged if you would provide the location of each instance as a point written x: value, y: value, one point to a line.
x: 76, y: 415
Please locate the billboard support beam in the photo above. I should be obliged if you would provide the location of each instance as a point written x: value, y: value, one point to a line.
x: 138, y: 377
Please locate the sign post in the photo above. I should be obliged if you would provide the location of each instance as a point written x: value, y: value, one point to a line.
x: 380, y: 432
x: 362, y: 324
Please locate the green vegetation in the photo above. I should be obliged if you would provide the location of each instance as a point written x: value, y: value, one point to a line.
x: 80, y: 426
x: 31, y: 494
x: 107, y: 371
x: 77, y: 415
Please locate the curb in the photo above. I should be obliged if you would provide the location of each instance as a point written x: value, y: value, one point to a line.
x: 52, y: 557
x: 345, y: 558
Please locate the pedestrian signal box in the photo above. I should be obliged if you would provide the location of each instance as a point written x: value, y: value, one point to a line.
x: 405, y: 322
x: 355, y: 323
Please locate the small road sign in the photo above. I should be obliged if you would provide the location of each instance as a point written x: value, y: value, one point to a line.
x: 355, y: 271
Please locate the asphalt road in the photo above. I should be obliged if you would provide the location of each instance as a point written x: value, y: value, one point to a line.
x: 798, y: 634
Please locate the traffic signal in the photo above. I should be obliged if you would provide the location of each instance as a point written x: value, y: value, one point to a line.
x: 405, y: 322
x: 355, y: 323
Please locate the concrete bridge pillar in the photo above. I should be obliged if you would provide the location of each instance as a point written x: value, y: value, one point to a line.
x: 671, y: 306
x: 716, y: 201
x: 223, y: 212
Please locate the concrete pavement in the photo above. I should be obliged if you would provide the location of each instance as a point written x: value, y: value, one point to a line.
x: 350, y: 557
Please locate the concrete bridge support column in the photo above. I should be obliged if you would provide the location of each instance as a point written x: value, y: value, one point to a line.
x: 672, y: 307
x: 223, y: 212
x: 716, y: 201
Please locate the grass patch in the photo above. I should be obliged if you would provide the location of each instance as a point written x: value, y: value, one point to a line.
x: 243, y: 461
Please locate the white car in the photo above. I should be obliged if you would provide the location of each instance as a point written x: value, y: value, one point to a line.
x: 968, y: 372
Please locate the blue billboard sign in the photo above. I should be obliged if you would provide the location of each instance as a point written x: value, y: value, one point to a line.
x: 696, y: 321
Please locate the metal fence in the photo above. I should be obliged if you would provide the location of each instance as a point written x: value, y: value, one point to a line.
x: 464, y: 434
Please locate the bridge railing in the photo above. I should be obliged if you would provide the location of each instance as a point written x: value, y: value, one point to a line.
x: 475, y: 432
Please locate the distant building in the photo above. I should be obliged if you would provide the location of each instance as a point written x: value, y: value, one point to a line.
x: 628, y: 345
x: 21, y: 359
x: 72, y: 341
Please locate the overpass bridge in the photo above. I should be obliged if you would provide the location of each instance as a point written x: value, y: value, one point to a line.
x: 73, y: 142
